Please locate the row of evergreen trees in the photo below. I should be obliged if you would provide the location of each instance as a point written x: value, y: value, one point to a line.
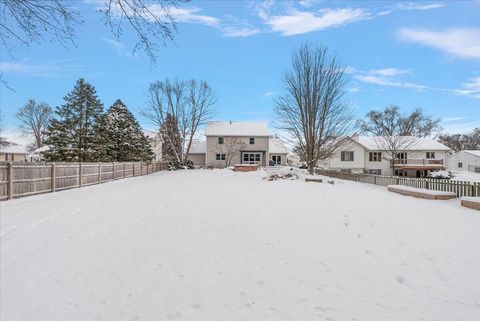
x: 82, y: 132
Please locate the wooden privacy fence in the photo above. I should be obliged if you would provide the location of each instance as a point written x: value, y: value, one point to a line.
x: 461, y: 188
x: 22, y: 179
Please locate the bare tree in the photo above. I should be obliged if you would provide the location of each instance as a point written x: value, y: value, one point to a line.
x: 189, y: 103
x: 311, y: 109
x: 458, y: 142
x: 232, y: 145
x: 200, y: 100
x: 395, y: 132
x: 166, y: 98
x: 28, y: 21
x: 3, y: 140
x: 34, y: 119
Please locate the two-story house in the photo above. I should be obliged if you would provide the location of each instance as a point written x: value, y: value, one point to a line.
x: 228, y: 143
x: 362, y: 154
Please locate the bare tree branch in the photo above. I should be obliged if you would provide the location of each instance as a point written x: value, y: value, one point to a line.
x: 312, y: 109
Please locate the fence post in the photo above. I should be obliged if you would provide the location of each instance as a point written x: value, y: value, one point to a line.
x: 99, y: 173
x: 113, y: 170
x: 141, y: 168
x: 124, y: 170
x: 80, y: 174
x: 147, y: 168
x: 9, y: 180
x: 133, y: 164
x: 53, y: 175
x: 427, y: 186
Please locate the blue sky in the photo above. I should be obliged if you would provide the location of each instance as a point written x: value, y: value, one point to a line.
x: 411, y: 54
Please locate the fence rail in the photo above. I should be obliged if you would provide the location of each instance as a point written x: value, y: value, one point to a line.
x: 461, y: 188
x: 19, y: 179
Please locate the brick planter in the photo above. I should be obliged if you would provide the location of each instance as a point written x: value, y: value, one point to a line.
x: 245, y: 167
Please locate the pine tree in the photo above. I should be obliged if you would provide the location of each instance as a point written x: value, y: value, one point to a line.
x: 172, y: 145
x: 73, y: 135
x: 125, y: 138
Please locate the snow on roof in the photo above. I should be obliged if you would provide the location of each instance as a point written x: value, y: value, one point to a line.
x: 198, y: 147
x: 276, y: 146
x: 473, y: 152
x: 235, y: 128
x: 42, y: 149
x: 13, y: 149
x: 375, y: 143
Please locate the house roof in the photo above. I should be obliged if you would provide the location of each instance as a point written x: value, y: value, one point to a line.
x: 276, y: 146
x: 235, y: 128
x: 375, y: 143
x: 13, y: 149
x: 472, y: 152
x: 198, y: 147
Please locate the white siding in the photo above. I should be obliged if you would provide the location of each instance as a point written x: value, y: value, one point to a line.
x: 462, y: 157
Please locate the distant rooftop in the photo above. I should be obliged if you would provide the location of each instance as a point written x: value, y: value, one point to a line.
x: 235, y: 128
x: 13, y: 149
x: 375, y: 143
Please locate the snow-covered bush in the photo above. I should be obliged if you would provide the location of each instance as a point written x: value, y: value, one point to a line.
x: 440, y: 175
x: 176, y: 165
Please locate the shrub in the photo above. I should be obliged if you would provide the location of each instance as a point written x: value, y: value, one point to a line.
x: 176, y: 165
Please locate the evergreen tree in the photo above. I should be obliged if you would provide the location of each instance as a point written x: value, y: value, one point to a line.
x: 172, y: 144
x: 125, y: 138
x: 73, y: 135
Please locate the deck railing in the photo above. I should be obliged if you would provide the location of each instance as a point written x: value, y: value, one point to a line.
x: 461, y: 188
x: 417, y: 161
x: 19, y: 179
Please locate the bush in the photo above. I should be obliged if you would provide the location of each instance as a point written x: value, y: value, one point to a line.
x: 440, y: 175
x: 176, y: 165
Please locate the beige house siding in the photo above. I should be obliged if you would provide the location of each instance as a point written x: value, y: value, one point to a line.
x: 16, y: 157
x: 197, y: 159
x: 213, y: 148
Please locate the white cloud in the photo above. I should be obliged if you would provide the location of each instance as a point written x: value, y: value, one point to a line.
x: 420, y: 5
x: 47, y: 69
x: 463, y: 43
x: 471, y: 88
x: 389, y: 77
x: 389, y: 72
x: 239, y: 32
x: 189, y: 15
x: 452, y: 119
x: 119, y: 47
x: 269, y: 94
x: 298, y: 22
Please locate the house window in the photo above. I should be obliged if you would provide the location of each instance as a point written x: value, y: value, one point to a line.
x: 251, y: 158
x: 460, y: 165
x: 252, y: 141
x: 430, y: 155
x: 402, y: 156
x: 346, y: 156
x: 375, y: 171
x: 220, y: 140
x: 375, y: 157
x: 220, y: 156
x: 277, y: 159
x: 477, y: 169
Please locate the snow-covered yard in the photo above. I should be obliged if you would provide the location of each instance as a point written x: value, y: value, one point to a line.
x: 218, y: 245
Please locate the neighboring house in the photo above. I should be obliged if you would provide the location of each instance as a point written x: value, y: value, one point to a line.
x: 362, y: 154
x: 465, y: 160
x: 277, y: 152
x: 155, y: 142
x: 239, y: 142
x: 11, y: 152
x: 197, y: 153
